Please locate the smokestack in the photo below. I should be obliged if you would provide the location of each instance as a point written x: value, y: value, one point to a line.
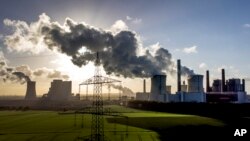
x: 223, y: 86
x: 178, y: 75
x: 144, y: 86
x: 208, y: 82
x: 243, y: 85
x: 31, y: 90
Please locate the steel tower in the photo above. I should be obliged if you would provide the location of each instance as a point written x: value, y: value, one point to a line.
x: 97, y: 126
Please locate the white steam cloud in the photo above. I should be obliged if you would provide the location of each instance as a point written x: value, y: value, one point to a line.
x: 23, y: 73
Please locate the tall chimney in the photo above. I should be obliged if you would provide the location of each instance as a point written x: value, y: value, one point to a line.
x: 31, y: 90
x: 144, y: 86
x: 243, y: 85
x: 178, y: 75
x: 223, y: 86
x: 208, y: 82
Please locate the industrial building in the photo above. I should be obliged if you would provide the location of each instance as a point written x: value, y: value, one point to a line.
x: 143, y: 95
x: 193, y: 92
x: 60, y: 91
x: 31, y: 90
x: 222, y: 90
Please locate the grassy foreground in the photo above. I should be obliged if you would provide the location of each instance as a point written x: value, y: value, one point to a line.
x: 51, y: 126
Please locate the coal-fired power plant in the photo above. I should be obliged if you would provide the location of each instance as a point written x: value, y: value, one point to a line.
x: 60, y: 90
x: 222, y: 90
x: 31, y: 90
x: 193, y: 92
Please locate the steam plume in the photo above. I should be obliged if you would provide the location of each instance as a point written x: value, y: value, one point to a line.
x: 118, y: 51
x: 124, y: 90
x: 22, y: 73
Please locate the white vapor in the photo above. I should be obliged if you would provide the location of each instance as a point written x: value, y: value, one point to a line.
x: 134, y: 20
x: 189, y: 50
x: 203, y: 66
x: 118, y: 26
x: 246, y: 25
x: 26, y: 37
x: 23, y: 73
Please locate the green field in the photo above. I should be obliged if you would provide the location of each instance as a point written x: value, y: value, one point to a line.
x: 51, y: 126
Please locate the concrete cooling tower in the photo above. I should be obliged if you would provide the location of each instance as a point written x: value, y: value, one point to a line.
x: 158, y: 87
x: 195, y: 83
x: 31, y: 90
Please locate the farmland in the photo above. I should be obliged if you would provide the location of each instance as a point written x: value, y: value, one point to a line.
x: 52, y: 126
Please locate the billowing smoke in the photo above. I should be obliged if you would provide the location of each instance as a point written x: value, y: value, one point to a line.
x: 186, y: 71
x: 10, y: 74
x: 124, y: 90
x: 118, y: 51
x: 57, y: 74
x: 21, y: 76
x: 49, y: 73
x: 23, y: 73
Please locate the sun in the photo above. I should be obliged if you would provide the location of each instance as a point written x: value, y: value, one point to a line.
x: 64, y: 64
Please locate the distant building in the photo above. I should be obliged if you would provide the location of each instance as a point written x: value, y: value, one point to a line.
x: 222, y: 90
x: 162, y: 93
x: 193, y: 92
x: 60, y: 91
x: 142, y: 96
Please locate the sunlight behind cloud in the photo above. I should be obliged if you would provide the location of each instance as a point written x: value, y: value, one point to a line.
x: 75, y: 73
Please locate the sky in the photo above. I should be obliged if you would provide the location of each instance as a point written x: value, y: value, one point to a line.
x: 204, y: 34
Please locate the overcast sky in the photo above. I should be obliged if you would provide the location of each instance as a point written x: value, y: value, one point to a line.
x: 204, y: 34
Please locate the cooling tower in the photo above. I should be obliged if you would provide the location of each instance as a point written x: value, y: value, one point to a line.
x: 158, y: 87
x: 195, y: 83
x: 31, y: 90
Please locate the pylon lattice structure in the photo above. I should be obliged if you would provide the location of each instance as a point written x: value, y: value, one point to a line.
x: 97, y: 124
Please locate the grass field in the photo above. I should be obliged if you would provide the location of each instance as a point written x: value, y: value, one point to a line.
x: 51, y: 126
